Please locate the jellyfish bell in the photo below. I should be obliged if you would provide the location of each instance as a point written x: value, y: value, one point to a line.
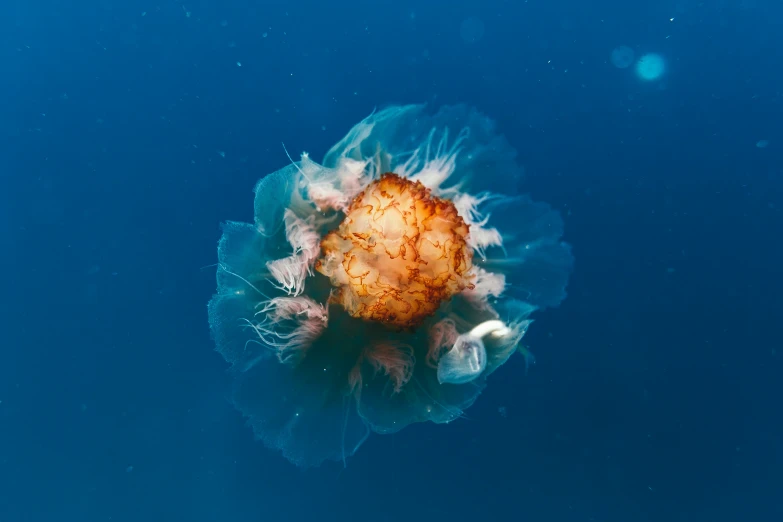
x: 398, y: 253
x: 382, y: 286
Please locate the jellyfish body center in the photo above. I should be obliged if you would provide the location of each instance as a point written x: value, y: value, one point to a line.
x: 398, y: 253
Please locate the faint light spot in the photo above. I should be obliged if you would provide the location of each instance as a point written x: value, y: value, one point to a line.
x: 503, y: 412
x: 650, y: 67
x: 128, y: 469
x: 622, y: 56
x: 264, y: 35
x: 762, y: 144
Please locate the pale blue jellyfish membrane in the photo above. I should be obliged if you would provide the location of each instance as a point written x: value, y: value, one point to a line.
x: 650, y: 67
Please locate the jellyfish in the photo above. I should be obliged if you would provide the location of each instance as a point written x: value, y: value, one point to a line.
x: 382, y: 286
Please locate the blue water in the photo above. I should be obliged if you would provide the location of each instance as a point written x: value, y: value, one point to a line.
x: 130, y: 130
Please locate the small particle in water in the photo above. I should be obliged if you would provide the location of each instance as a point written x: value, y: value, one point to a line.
x: 762, y: 144
x: 128, y: 469
x: 669, y: 270
x: 503, y: 412
x: 222, y: 154
x: 264, y: 35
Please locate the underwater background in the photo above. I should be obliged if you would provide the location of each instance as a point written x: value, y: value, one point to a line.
x: 130, y: 130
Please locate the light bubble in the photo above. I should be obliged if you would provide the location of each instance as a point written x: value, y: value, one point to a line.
x: 650, y: 67
x: 622, y: 56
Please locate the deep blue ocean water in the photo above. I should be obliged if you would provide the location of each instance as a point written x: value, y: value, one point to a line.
x: 130, y: 130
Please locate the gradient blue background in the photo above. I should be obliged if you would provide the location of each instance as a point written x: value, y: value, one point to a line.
x: 657, y: 392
